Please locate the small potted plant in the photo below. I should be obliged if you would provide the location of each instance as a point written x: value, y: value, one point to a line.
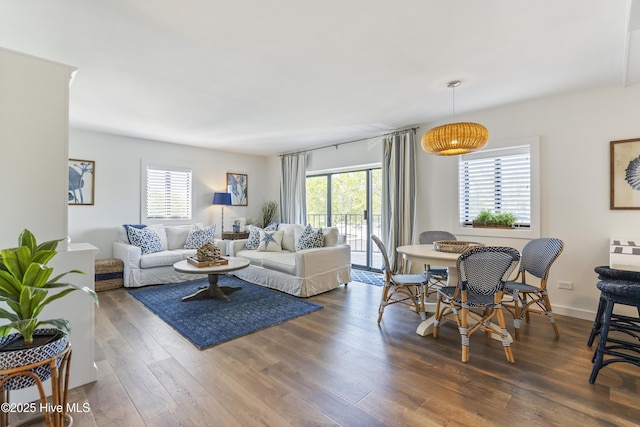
x: 25, y: 282
x: 487, y: 218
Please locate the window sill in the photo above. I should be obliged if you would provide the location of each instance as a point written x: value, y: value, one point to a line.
x: 511, y: 233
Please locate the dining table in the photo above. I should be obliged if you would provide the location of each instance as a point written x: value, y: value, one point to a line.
x: 426, y: 254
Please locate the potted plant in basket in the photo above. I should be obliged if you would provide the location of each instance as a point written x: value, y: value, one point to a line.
x: 25, y: 282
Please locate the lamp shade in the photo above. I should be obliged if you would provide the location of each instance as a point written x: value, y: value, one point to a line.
x: 455, y: 138
x: 221, y: 198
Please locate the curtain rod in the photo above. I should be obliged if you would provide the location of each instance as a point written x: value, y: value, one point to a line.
x: 349, y: 142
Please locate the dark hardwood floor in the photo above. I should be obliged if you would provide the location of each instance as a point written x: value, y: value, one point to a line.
x: 336, y: 367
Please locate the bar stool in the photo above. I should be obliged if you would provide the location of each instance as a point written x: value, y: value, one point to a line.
x: 616, y: 287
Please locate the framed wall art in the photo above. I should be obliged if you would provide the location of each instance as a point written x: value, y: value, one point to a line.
x: 625, y: 174
x: 237, y: 185
x: 81, y: 182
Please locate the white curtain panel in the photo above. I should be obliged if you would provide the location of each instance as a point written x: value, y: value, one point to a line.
x: 293, y: 189
x: 398, y: 193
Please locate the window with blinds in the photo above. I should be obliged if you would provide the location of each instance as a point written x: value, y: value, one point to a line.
x: 498, y: 181
x: 168, y: 194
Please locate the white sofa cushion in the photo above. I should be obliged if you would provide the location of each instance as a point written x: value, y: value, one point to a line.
x: 284, y: 262
x: 330, y: 236
x: 290, y: 235
x: 165, y: 258
x: 177, y: 235
x: 255, y: 257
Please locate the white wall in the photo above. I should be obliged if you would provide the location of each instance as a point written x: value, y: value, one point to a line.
x: 118, y: 181
x: 574, y: 132
x: 34, y: 117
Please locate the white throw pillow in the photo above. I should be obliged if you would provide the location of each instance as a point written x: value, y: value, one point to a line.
x: 288, y: 237
x: 270, y: 241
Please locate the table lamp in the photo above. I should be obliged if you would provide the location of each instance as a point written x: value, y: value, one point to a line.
x: 222, y: 199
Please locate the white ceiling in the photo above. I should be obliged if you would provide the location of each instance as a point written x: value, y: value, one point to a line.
x: 268, y: 77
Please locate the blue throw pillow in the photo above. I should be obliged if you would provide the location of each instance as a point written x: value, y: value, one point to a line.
x: 310, y: 238
x: 198, y: 237
x: 253, y: 241
x: 147, y: 240
x: 126, y: 228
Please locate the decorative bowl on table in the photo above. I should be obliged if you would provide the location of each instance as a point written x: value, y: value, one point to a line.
x: 454, y: 246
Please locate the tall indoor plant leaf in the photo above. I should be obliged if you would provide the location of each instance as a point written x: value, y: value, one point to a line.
x: 25, y: 282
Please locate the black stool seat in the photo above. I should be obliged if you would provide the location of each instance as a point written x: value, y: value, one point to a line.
x: 616, y: 287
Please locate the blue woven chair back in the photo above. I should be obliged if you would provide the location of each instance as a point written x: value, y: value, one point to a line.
x: 383, y: 251
x: 539, y: 254
x: 428, y: 237
x: 484, y: 270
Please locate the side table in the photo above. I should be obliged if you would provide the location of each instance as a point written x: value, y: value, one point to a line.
x: 228, y: 236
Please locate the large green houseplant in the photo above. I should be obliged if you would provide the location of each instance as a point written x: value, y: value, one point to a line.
x: 25, y: 282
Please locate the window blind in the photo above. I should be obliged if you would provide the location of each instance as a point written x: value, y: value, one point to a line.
x: 168, y: 194
x: 496, y: 180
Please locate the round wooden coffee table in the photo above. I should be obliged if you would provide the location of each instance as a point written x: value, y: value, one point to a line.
x: 213, y: 290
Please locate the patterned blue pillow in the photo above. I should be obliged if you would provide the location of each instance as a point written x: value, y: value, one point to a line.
x: 253, y: 241
x: 198, y: 237
x: 127, y: 226
x: 146, y: 239
x: 310, y: 238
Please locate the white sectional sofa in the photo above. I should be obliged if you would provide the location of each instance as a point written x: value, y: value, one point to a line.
x: 299, y: 272
x: 157, y: 267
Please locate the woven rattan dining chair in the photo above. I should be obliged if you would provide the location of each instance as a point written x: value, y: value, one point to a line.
x: 405, y: 289
x: 477, y: 299
x: 537, y: 257
x: 437, y: 276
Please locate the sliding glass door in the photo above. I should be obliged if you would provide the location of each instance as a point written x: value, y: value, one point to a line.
x: 350, y: 201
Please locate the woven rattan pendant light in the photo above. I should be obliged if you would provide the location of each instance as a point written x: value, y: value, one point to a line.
x: 455, y: 138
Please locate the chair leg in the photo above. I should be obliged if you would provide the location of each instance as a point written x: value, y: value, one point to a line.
x: 602, y: 344
x: 438, y: 316
x: 505, y: 340
x: 516, y: 315
x: 464, y: 333
x: 383, y: 302
x: 549, y: 312
x: 597, y: 322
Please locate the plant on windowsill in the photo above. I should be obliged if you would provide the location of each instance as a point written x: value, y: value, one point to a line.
x: 487, y: 219
x: 25, y: 282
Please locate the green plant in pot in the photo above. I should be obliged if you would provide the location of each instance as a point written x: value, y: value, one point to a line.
x: 25, y: 283
x: 484, y: 217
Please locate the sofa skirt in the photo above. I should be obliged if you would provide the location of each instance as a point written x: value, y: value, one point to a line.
x: 293, y: 285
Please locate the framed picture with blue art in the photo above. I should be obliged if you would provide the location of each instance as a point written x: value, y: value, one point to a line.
x: 81, y: 181
x: 625, y: 174
x: 237, y: 185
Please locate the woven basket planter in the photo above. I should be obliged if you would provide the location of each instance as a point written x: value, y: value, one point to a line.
x: 477, y: 224
x: 11, y: 359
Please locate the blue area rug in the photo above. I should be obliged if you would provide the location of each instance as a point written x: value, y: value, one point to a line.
x: 207, y: 322
x: 368, y: 277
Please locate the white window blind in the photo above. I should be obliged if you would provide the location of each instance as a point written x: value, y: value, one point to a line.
x: 496, y: 180
x: 168, y: 193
